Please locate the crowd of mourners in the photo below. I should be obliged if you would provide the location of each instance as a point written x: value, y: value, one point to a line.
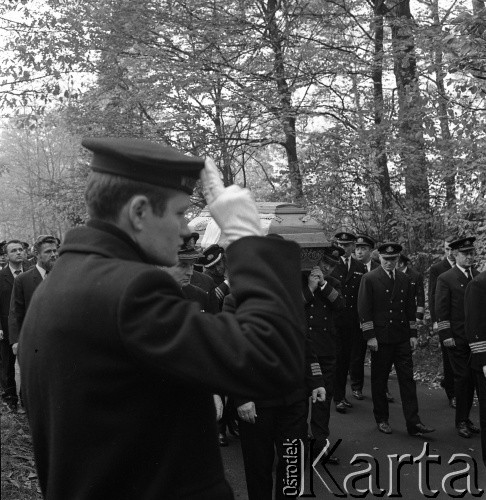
x: 139, y: 351
x: 357, y: 297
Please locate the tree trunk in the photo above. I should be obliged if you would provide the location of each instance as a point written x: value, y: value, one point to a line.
x: 410, y: 115
x: 445, y: 144
x: 286, y: 113
x: 381, y: 159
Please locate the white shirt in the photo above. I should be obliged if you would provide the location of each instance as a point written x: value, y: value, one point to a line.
x: 42, y: 271
x: 13, y: 271
x: 463, y: 269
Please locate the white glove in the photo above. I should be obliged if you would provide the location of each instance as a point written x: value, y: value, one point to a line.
x: 233, y: 208
x: 219, y: 405
x: 247, y: 412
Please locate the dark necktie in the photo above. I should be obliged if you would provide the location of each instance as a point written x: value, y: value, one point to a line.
x: 17, y: 272
x: 469, y: 274
x: 391, y: 277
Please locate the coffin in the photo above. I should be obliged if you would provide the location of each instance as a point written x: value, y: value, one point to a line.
x: 286, y: 219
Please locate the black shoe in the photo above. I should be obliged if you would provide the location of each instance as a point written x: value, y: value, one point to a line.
x: 472, y: 428
x: 222, y: 439
x: 341, y: 407
x: 452, y: 402
x: 390, y: 398
x: 384, y: 427
x: 347, y: 404
x: 463, y: 430
x: 358, y: 395
x: 420, y: 429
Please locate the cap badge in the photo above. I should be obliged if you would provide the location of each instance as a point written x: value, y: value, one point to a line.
x: 389, y: 249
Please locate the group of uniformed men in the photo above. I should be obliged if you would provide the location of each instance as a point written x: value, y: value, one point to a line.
x: 116, y: 362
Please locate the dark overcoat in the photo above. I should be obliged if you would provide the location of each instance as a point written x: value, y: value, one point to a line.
x: 313, y: 374
x: 449, y: 304
x: 387, y: 311
x: 6, y: 286
x: 321, y: 308
x: 418, y: 290
x: 24, y: 287
x: 118, y: 369
x: 434, y: 272
x: 350, y: 280
x: 475, y: 310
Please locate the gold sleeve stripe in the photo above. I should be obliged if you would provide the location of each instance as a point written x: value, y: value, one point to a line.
x: 420, y: 309
x: 443, y: 325
x: 368, y: 325
x: 316, y: 369
x: 478, y: 347
x: 333, y: 295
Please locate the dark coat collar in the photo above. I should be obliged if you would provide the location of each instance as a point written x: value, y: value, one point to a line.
x: 104, y: 239
x: 7, y: 274
x: 34, y: 273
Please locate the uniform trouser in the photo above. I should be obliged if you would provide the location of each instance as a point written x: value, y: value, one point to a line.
x: 273, y: 429
x: 346, y: 338
x: 381, y: 362
x: 481, y: 386
x: 448, y: 380
x: 356, y: 369
x: 321, y: 410
x: 7, y: 372
x: 463, y: 380
x: 229, y: 416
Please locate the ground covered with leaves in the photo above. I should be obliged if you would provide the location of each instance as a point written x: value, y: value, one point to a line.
x: 19, y: 478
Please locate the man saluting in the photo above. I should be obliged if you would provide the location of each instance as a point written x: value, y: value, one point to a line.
x: 118, y: 368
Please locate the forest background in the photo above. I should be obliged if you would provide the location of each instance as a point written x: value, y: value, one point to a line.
x: 369, y: 113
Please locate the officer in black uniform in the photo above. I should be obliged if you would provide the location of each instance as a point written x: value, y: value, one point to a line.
x: 364, y: 246
x: 323, y: 299
x: 449, y: 308
x: 417, y: 282
x: 434, y: 272
x: 387, y: 311
x: 475, y: 309
x: 349, y: 272
x: 214, y: 266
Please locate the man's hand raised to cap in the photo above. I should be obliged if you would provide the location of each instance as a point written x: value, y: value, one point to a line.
x: 232, y: 207
x: 212, y: 184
